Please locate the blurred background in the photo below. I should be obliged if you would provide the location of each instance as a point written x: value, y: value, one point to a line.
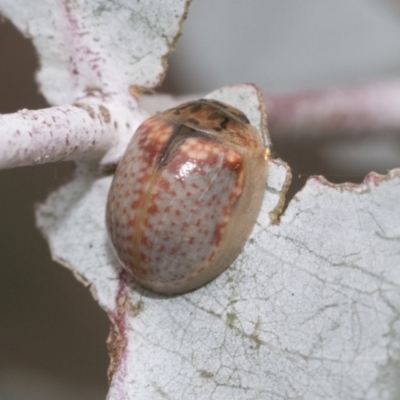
x: 52, y: 333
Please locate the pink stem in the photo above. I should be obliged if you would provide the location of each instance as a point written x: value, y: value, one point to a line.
x: 91, y: 129
x: 366, y: 109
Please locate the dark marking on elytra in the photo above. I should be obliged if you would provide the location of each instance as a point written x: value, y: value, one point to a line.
x: 219, y: 115
x: 225, y: 111
x: 224, y: 123
x: 196, y: 106
x: 213, y: 116
x: 194, y: 121
x: 218, y: 111
x: 242, y: 117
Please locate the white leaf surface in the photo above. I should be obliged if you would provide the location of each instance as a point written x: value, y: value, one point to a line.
x: 87, y: 45
x: 309, y: 309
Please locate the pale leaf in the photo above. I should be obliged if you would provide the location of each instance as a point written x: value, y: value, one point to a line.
x: 308, y: 310
x: 86, y: 45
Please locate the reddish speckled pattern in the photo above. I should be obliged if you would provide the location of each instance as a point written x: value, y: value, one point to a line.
x: 176, y: 190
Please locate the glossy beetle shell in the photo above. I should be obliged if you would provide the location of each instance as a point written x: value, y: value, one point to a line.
x: 186, y: 195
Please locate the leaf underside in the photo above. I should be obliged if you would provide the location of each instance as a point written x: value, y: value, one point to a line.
x: 303, y: 296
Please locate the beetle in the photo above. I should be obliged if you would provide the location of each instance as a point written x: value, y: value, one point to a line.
x: 186, y: 195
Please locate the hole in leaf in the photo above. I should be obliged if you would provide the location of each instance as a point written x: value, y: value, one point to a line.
x: 17, y: 69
